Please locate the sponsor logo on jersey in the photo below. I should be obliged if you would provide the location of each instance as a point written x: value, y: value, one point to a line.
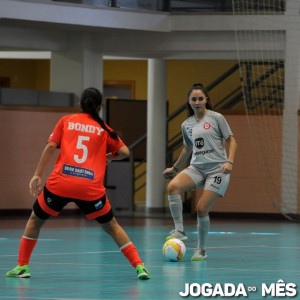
x: 204, y: 152
x: 78, y: 172
x: 199, y: 143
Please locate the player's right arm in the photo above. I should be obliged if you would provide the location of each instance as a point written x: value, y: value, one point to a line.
x: 35, y: 185
x: 183, y: 157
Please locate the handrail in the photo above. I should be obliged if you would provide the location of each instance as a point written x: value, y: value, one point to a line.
x: 222, y: 77
x: 137, y: 142
x: 228, y: 97
x: 209, y: 87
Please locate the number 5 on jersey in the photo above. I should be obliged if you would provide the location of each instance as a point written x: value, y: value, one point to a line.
x: 81, y: 146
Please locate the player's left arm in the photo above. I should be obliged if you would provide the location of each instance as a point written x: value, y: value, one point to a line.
x: 120, y: 154
x: 232, y: 146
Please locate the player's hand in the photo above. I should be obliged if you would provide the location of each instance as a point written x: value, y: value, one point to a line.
x: 227, y: 168
x: 35, y: 185
x: 109, y: 157
x: 169, y: 173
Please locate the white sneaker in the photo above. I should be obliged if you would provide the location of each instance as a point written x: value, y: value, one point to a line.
x: 176, y: 234
x: 199, y: 255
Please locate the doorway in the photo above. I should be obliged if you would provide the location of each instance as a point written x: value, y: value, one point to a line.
x: 119, y: 89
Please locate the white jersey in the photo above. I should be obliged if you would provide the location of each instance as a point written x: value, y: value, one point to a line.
x: 207, y: 138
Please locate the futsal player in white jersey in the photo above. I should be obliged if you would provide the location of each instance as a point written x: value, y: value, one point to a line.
x: 205, y: 134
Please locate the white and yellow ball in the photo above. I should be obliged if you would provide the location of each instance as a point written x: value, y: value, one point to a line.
x: 174, y: 250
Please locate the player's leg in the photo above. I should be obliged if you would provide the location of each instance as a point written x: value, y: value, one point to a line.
x: 103, y: 214
x: 126, y: 246
x: 43, y: 208
x: 205, y: 203
x: 26, y: 247
x: 181, y: 183
x: 215, y: 186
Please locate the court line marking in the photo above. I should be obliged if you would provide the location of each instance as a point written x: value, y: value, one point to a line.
x: 155, y: 250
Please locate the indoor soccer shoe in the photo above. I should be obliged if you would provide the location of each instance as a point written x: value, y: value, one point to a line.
x: 176, y: 234
x: 199, y: 255
x: 142, y: 272
x: 18, y: 271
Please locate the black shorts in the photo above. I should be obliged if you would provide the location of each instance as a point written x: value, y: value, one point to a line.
x: 49, y: 204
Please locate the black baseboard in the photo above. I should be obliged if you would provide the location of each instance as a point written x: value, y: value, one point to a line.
x: 26, y: 213
x: 158, y: 213
x: 252, y: 216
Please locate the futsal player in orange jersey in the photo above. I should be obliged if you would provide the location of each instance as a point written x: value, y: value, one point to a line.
x: 86, y: 144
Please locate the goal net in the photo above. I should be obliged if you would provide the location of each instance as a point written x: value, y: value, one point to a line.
x: 261, y: 37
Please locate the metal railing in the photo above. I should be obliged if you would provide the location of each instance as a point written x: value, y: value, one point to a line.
x: 185, y: 6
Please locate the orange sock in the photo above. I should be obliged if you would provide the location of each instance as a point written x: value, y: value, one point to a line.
x: 25, y: 250
x: 130, y: 252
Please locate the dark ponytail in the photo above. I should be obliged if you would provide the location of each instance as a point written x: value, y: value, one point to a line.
x: 201, y: 87
x: 90, y: 102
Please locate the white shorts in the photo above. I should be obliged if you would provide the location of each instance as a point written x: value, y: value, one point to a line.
x: 215, y: 181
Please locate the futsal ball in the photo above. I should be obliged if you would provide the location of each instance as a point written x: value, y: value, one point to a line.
x: 174, y: 250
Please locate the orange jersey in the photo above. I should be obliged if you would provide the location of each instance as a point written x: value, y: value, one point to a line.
x: 80, y: 167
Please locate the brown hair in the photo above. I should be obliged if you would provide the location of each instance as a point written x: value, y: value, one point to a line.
x: 201, y: 87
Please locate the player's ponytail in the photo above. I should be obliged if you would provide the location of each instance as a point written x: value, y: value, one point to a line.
x: 90, y: 103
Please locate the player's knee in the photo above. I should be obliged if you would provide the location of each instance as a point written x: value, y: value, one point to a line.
x: 173, y: 188
x: 111, y: 226
x: 38, y: 213
x: 202, y: 210
x: 201, y: 213
x: 107, y: 218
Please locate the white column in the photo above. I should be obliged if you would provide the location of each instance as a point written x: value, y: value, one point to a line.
x: 76, y: 68
x: 289, y: 178
x: 92, y: 65
x: 156, y: 135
